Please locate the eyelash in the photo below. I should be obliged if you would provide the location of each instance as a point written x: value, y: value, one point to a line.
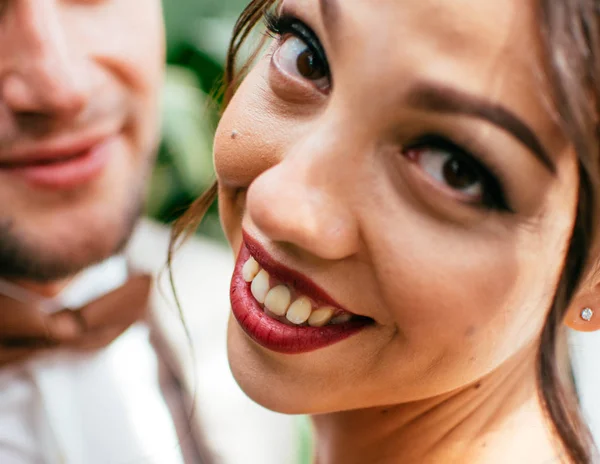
x: 494, y: 196
x: 279, y: 25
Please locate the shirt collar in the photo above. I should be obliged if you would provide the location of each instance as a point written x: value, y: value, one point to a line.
x: 90, y: 284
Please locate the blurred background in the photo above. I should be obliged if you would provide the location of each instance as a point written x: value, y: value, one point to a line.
x: 198, y: 32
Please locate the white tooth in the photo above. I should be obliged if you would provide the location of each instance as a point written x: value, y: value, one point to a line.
x: 278, y: 300
x: 345, y: 317
x: 250, y: 269
x: 260, y: 286
x: 321, y: 316
x: 299, y: 311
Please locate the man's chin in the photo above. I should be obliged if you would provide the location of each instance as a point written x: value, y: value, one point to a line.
x: 50, y: 257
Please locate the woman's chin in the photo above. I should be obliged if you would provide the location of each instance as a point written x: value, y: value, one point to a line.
x: 259, y: 380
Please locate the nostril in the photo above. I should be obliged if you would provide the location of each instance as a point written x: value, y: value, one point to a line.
x: 304, y: 216
x: 62, y: 99
x: 36, y: 123
x: 40, y: 94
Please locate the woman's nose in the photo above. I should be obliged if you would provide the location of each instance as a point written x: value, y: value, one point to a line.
x: 303, y: 201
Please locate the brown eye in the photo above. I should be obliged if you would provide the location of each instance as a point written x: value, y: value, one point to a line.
x: 296, y: 58
x: 310, y: 67
x: 451, y: 171
x: 459, y: 175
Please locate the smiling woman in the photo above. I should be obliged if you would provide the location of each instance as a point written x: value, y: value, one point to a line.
x: 410, y: 193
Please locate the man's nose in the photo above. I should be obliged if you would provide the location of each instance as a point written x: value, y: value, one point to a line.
x: 39, y: 72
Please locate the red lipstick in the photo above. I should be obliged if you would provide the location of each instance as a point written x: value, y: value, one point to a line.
x: 270, y: 332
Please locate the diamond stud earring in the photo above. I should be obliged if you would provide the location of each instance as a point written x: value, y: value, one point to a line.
x: 586, y: 314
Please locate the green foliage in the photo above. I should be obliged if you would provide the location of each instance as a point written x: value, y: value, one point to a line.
x: 197, y: 38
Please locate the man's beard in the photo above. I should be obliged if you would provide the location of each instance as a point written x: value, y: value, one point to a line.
x: 24, y: 260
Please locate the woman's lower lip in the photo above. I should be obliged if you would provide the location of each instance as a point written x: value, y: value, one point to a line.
x: 274, y: 335
x: 68, y: 174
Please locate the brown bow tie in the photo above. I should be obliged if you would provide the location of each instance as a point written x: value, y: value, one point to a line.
x: 25, y: 330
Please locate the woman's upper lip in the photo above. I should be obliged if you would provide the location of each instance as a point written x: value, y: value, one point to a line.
x: 61, y: 147
x: 298, y: 281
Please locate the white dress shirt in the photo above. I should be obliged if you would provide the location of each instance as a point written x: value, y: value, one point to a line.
x: 103, y: 407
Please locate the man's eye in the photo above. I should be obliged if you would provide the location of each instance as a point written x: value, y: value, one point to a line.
x: 296, y: 58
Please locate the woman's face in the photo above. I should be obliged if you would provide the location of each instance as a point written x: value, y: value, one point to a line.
x: 400, y: 164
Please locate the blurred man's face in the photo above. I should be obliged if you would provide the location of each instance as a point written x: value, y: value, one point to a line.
x: 79, y: 84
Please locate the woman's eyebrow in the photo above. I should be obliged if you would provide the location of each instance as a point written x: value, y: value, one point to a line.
x: 443, y: 99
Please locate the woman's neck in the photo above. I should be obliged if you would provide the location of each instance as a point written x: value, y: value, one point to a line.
x: 497, y: 420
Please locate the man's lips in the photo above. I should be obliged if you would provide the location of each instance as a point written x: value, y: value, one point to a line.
x: 57, y: 150
x: 61, y: 164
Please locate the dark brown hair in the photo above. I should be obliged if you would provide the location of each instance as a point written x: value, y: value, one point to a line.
x: 571, y: 42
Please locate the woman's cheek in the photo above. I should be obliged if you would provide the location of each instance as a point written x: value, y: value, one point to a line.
x: 250, y: 139
x: 247, y: 141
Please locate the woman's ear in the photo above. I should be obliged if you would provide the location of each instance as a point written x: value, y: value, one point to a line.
x: 583, y: 314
